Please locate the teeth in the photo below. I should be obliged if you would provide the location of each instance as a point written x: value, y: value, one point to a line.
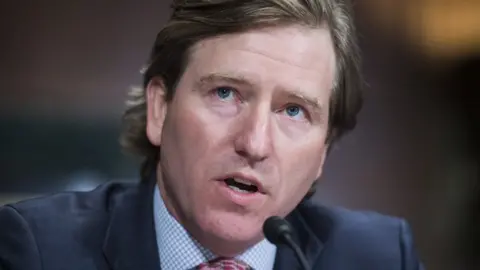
x: 243, y: 182
x: 238, y: 190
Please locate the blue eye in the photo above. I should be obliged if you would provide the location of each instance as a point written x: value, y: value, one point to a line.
x: 224, y: 92
x: 294, y: 111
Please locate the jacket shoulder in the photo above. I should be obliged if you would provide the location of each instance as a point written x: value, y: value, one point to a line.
x: 347, y: 221
x: 65, y: 204
x: 369, y: 222
x: 363, y: 237
x: 67, y: 223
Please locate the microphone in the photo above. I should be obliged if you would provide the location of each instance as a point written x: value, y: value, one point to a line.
x: 278, y: 231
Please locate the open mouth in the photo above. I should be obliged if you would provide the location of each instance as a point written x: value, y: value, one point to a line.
x: 240, y: 186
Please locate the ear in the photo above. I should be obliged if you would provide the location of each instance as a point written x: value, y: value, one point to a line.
x: 155, y: 93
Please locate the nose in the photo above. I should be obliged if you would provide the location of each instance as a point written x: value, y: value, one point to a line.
x: 254, y: 141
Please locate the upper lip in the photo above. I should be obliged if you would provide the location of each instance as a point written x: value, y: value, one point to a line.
x: 246, y: 178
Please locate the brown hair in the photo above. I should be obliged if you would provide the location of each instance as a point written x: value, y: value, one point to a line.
x: 194, y: 20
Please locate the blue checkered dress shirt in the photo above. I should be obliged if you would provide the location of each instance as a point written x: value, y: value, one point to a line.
x: 178, y: 251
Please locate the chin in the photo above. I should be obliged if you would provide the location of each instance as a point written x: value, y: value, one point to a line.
x: 229, y: 233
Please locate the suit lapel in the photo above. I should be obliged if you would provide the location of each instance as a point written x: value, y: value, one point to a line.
x: 130, y: 241
x: 311, y: 230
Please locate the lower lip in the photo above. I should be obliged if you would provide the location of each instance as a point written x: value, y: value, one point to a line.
x: 240, y: 198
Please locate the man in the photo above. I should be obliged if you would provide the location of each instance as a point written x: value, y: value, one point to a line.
x: 240, y: 104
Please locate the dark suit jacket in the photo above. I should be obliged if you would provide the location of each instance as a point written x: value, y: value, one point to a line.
x: 112, y: 227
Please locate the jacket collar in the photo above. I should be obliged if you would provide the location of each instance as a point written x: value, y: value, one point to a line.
x: 130, y: 241
x: 312, y: 225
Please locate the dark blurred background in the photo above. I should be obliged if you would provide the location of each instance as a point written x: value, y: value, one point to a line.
x: 65, y: 68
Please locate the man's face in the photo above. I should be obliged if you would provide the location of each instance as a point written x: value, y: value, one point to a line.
x: 244, y: 136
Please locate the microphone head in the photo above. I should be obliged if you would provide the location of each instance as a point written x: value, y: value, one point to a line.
x: 275, y: 229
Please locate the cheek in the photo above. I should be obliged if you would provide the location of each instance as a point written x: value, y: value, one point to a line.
x: 300, y: 169
x: 195, y: 138
x: 186, y: 137
x: 302, y: 164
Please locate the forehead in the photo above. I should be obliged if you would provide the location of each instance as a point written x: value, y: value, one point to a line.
x: 289, y: 54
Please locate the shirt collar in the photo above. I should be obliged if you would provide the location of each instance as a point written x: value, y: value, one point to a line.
x: 177, y: 250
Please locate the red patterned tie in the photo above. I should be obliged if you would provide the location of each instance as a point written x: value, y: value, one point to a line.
x: 224, y: 264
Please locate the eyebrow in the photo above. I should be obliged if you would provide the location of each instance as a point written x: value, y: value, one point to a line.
x: 225, y: 77
x: 313, y: 103
x: 238, y: 79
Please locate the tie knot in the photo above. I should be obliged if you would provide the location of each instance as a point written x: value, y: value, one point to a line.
x: 224, y: 264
